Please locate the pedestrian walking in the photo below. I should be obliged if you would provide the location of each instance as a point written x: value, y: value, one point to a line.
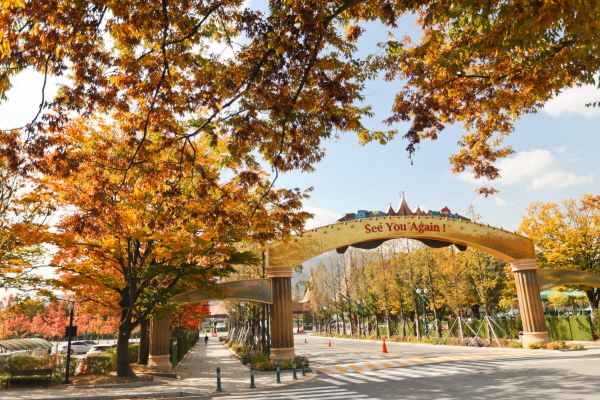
x: 206, y: 339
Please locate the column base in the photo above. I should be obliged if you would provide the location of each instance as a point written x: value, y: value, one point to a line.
x: 283, y: 354
x: 160, y: 363
x: 534, y: 337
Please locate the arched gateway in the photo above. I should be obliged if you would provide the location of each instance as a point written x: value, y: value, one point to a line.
x: 433, y: 231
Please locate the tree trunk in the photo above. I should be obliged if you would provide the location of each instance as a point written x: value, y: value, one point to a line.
x: 123, y: 368
x: 593, y: 296
x: 387, y: 322
x: 144, y: 343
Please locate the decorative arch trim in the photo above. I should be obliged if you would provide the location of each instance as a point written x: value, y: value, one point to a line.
x: 505, y: 245
x: 552, y: 277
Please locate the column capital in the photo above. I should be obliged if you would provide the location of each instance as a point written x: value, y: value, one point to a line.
x: 280, y: 272
x: 524, y: 264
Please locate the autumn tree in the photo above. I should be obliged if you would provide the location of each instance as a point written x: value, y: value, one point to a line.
x: 276, y: 78
x: 567, y: 235
x: 133, y: 240
x: 24, y: 212
x: 484, y: 64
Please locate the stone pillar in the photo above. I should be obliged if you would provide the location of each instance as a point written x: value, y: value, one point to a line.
x: 530, y: 302
x: 282, y: 319
x: 160, y: 337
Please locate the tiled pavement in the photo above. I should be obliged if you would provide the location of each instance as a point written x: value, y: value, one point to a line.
x: 197, y: 373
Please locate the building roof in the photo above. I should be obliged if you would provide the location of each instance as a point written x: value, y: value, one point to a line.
x: 25, y: 344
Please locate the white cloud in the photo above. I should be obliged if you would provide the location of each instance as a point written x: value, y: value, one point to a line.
x: 525, y: 165
x: 559, y: 179
x: 500, y: 202
x: 321, y: 217
x: 560, y: 149
x: 573, y: 100
x: 540, y: 168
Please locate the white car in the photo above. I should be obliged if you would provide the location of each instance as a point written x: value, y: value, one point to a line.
x: 76, y: 347
x: 100, y: 349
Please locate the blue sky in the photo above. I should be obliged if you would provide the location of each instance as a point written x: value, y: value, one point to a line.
x: 556, y: 157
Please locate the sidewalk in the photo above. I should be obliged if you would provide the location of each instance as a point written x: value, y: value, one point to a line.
x: 197, y: 373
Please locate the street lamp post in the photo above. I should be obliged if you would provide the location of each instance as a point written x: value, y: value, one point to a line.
x: 70, y: 332
x: 422, y: 293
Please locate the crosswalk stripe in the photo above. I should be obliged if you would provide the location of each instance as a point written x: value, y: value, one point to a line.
x: 277, y: 394
x: 335, y: 382
x: 385, y: 375
x: 385, y: 364
x: 356, y: 367
x: 340, y: 369
x: 404, y: 372
x: 345, y: 377
x: 400, y: 362
x: 371, y: 365
x: 367, y: 376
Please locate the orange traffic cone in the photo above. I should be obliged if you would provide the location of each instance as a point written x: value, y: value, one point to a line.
x: 384, y: 347
x: 329, y: 343
x: 305, y: 340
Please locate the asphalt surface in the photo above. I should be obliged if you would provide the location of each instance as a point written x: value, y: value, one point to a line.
x: 351, y: 369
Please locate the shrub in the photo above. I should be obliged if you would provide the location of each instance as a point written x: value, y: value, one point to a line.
x: 576, y: 346
x: 134, y: 351
x: 20, y: 362
x: 59, y: 364
x: 102, y: 365
x: 556, y: 345
x: 246, y: 358
x: 536, y: 346
x: 514, y: 344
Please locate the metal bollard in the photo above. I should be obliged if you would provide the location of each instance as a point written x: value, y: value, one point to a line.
x: 219, y: 388
x: 252, y: 377
x: 278, y: 372
x: 302, y: 367
x: 294, y: 376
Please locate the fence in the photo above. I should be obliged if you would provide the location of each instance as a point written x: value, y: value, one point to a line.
x: 578, y: 328
x: 180, y: 346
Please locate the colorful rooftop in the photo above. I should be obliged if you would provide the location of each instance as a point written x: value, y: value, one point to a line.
x: 403, y: 209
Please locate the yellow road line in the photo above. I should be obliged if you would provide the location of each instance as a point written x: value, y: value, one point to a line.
x: 385, y: 364
x: 356, y: 367
x: 340, y: 369
x: 401, y: 363
x: 370, y: 365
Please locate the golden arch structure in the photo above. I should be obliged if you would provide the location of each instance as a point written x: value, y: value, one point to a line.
x: 434, y: 231
x: 515, y: 249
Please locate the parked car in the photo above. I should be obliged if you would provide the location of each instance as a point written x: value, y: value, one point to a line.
x: 100, y: 349
x: 76, y: 347
x: 90, y: 342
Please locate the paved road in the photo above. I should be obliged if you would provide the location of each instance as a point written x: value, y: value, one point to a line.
x: 357, y: 370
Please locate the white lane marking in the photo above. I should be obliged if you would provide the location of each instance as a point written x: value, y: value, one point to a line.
x: 346, y: 377
x: 384, y: 374
x: 269, y: 394
x: 333, y: 381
